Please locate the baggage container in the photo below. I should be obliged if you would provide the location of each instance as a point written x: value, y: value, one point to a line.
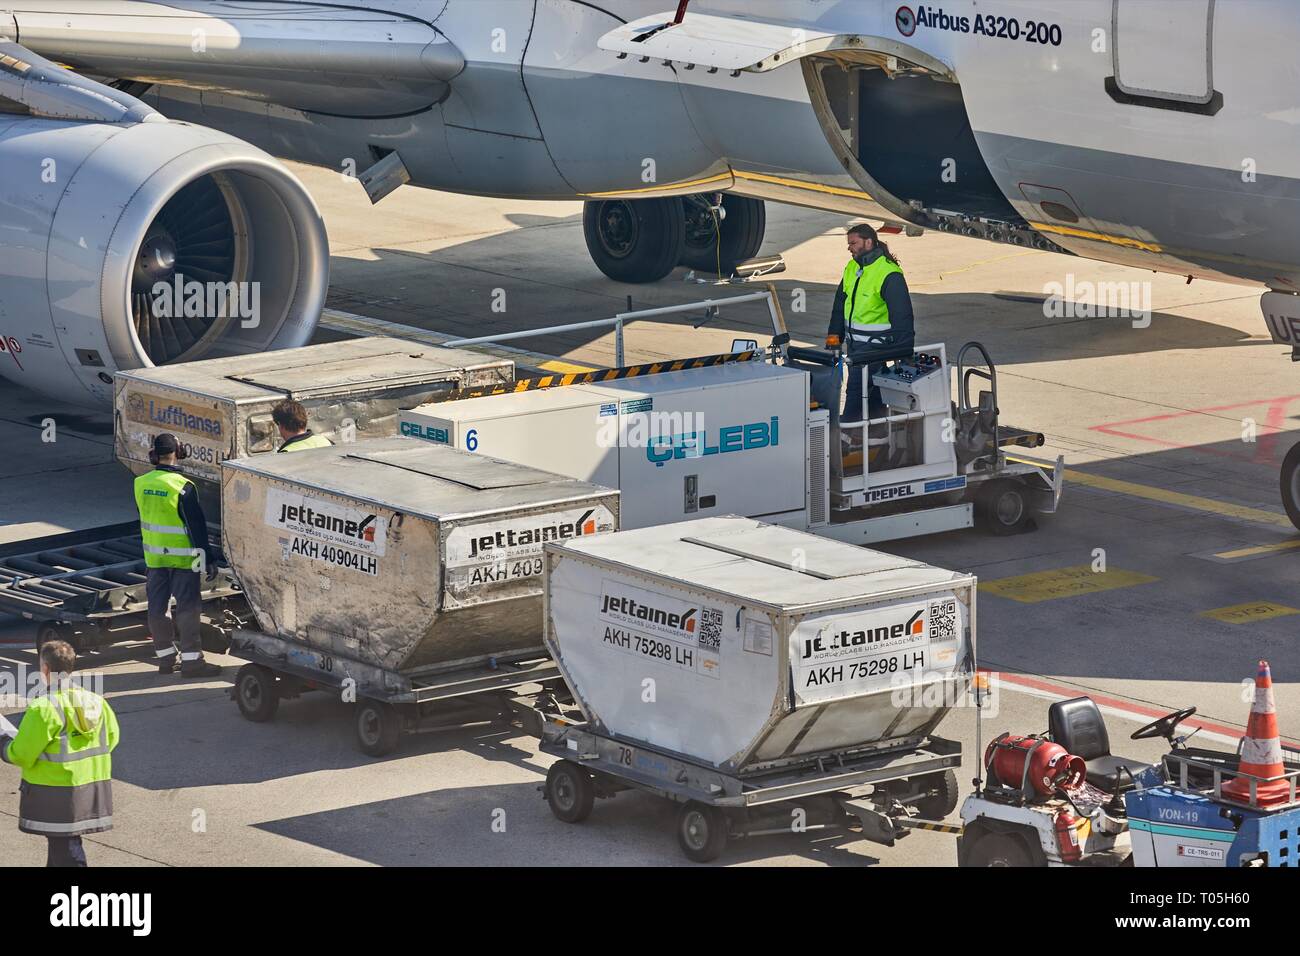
x: 399, y: 555
x: 743, y: 646
x: 221, y: 408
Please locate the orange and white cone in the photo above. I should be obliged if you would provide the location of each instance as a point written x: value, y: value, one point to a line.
x: 1261, y: 748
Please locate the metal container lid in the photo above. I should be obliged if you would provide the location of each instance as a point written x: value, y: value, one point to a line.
x: 432, y: 481
x: 762, y: 565
x: 372, y: 362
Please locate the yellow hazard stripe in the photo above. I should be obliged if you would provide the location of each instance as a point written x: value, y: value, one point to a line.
x: 936, y: 827
x: 604, y: 375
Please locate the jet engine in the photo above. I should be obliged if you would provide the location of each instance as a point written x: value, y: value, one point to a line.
x: 127, y: 245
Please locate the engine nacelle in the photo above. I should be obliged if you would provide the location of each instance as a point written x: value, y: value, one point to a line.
x: 124, y: 246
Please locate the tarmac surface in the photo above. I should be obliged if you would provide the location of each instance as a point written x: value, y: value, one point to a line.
x: 1172, y: 431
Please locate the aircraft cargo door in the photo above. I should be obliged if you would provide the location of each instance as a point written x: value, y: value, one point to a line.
x: 1163, y: 53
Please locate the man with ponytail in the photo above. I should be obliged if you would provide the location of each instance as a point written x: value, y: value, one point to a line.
x: 873, y: 309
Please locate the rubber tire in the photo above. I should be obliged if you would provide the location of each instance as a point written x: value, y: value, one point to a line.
x: 701, y: 831
x: 256, y: 695
x: 55, y: 631
x: 1289, y: 483
x: 986, y: 507
x: 999, y: 850
x: 378, y: 727
x: 945, y: 801
x: 742, y: 235
x: 570, y: 791
x: 657, y: 244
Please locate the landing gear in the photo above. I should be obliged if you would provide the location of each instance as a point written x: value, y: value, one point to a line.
x: 642, y: 240
x: 1291, y: 484
x: 715, y: 243
x: 635, y: 240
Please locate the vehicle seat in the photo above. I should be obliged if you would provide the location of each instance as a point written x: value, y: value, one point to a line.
x: 1077, y: 725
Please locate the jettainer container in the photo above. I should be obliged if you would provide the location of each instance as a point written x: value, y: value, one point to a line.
x: 744, y: 646
x: 402, y: 556
x: 221, y: 408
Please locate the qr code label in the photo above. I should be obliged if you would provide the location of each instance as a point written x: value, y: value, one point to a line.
x: 711, y: 628
x: 943, y: 621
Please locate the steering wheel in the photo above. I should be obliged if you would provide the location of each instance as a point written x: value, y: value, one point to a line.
x: 1164, y: 727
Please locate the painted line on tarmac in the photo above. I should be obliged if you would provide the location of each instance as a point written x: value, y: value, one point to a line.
x: 1038, y: 687
x: 1180, y: 499
x: 1249, y: 612
x: 1249, y: 553
x: 1062, y: 582
x: 350, y: 323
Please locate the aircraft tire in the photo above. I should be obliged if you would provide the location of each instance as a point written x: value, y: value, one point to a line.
x: 742, y: 234
x: 635, y: 240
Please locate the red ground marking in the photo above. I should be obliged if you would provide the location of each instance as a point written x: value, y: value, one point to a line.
x: 1138, y: 711
x: 1267, y: 430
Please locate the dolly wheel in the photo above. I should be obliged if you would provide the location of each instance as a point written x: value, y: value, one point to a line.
x: 999, y: 849
x: 1002, y: 507
x: 256, y: 693
x: 943, y: 801
x: 1291, y: 484
x: 56, y: 631
x: 379, y: 728
x: 701, y: 831
x: 570, y: 792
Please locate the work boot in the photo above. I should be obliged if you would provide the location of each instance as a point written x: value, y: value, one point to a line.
x: 167, y: 665
x: 199, y: 668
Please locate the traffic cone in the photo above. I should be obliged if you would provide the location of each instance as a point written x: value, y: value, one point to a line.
x: 1261, y: 748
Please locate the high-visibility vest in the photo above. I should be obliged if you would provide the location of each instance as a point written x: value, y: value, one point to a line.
x: 865, y: 312
x: 302, y: 444
x: 166, y: 542
x: 63, y: 747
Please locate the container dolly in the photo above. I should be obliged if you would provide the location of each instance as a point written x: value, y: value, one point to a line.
x: 84, y: 593
x: 390, y: 703
x: 715, y: 807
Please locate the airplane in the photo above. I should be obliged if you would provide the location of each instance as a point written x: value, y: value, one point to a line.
x: 140, y: 141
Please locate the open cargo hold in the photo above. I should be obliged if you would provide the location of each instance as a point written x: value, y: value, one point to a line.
x: 761, y: 646
x: 221, y: 408
x: 399, y: 555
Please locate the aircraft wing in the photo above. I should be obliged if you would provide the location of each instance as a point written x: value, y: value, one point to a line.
x: 742, y: 44
x: 299, y: 55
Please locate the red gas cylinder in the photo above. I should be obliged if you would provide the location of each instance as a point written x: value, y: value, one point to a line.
x: 1050, y: 766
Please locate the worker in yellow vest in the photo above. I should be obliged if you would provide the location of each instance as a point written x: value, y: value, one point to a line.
x: 176, y: 555
x: 63, y: 747
x: 873, y: 309
x: 290, y: 418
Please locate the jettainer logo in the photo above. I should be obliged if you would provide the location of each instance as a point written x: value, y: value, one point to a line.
x: 326, y: 521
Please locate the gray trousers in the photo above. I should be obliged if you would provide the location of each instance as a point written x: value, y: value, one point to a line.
x: 161, y: 585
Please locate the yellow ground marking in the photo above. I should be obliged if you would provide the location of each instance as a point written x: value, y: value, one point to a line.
x: 1246, y: 613
x: 974, y: 265
x: 1258, y: 549
x: 1063, y: 582
x: 1180, y: 499
x: 565, y: 368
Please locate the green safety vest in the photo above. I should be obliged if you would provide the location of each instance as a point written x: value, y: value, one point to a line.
x: 864, y: 310
x: 311, y: 441
x: 166, y: 542
x: 63, y: 747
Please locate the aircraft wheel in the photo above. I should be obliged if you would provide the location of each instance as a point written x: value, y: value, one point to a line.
x: 741, y: 230
x: 635, y: 240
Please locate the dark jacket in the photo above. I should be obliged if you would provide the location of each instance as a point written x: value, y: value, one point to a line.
x: 897, y: 299
x: 191, y: 511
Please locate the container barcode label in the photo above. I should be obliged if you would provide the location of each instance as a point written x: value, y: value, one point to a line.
x: 943, y: 621
x: 711, y: 629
